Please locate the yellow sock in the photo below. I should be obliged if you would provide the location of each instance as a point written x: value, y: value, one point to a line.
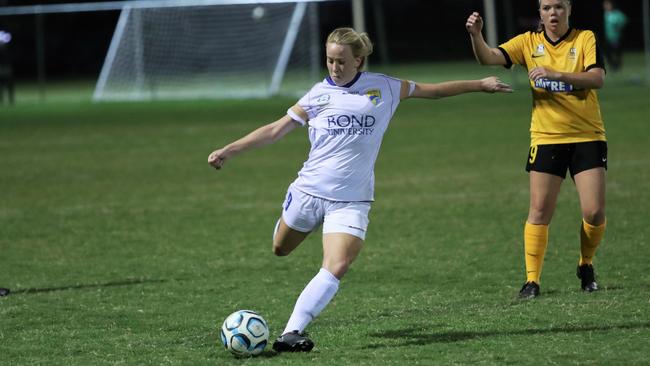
x: 535, y: 242
x: 590, y: 237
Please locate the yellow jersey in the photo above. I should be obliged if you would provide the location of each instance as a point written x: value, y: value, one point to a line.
x: 562, y: 113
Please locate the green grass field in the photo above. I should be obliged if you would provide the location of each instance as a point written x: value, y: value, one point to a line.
x: 122, y: 246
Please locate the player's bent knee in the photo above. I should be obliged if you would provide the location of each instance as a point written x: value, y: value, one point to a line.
x: 280, y: 251
x: 594, y: 217
x: 338, y: 269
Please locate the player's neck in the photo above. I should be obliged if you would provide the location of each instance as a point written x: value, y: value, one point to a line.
x: 554, y: 34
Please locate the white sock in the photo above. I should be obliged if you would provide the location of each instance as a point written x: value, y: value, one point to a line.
x: 313, y: 299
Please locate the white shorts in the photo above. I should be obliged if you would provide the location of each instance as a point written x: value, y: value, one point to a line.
x: 306, y: 213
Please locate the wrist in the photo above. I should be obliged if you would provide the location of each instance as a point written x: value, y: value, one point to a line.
x: 478, y: 85
x: 229, y: 150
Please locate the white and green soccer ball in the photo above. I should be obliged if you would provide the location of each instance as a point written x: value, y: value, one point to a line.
x: 245, y: 333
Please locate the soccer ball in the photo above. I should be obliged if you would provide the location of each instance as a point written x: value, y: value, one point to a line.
x: 258, y: 13
x: 245, y: 333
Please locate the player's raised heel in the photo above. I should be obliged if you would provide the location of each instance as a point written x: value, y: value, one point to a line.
x: 587, y: 278
x: 293, y: 342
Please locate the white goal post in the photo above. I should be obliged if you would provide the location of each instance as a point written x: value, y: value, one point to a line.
x: 188, y: 49
x: 217, y: 49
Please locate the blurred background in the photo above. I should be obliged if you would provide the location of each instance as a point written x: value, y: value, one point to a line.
x: 120, y: 245
x: 43, y: 47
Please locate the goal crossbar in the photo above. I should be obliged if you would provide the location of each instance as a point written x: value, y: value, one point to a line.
x: 232, y: 49
x: 133, y: 4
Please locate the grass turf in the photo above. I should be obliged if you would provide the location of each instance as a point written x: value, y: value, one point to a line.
x: 122, y: 246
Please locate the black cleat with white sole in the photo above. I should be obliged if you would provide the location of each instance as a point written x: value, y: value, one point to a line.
x: 4, y: 291
x: 293, y: 342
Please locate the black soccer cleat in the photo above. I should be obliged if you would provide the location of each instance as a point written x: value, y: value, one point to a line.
x: 530, y: 290
x: 4, y: 291
x: 587, y: 278
x: 293, y: 342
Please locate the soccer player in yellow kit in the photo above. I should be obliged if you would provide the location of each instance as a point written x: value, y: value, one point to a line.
x: 567, y: 132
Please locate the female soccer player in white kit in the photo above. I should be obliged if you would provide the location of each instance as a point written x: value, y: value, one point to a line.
x: 346, y: 115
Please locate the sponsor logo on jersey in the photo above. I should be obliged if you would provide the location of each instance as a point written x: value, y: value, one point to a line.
x: 553, y: 86
x: 374, y: 95
x: 349, y: 124
x: 323, y: 99
x: 539, y: 52
x: 573, y: 53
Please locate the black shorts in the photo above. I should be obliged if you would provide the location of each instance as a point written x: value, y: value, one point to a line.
x: 576, y: 157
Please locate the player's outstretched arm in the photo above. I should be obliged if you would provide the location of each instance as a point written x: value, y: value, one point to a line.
x: 484, y: 54
x: 264, y: 135
x: 490, y: 84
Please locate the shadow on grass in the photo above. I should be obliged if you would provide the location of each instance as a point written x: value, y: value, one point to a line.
x: 129, y: 282
x: 516, y: 301
x: 268, y: 354
x: 415, y: 337
x: 264, y: 354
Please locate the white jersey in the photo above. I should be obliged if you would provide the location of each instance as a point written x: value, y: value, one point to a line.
x: 346, y: 127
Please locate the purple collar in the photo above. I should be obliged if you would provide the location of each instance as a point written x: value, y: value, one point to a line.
x: 356, y: 77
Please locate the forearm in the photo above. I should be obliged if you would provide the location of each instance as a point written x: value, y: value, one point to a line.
x: 262, y: 136
x: 484, y: 54
x: 592, y: 79
x: 257, y: 138
x: 446, y: 89
x: 582, y: 80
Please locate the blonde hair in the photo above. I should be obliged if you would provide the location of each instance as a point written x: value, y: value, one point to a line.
x: 359, y: 42
x: 540, y: 26
x: 539, y: 2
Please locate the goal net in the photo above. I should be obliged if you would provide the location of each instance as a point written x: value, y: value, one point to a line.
x: 223, y: 50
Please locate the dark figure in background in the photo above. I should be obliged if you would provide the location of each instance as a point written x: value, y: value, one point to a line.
x: 615, y: 22
x: 6, y: 72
